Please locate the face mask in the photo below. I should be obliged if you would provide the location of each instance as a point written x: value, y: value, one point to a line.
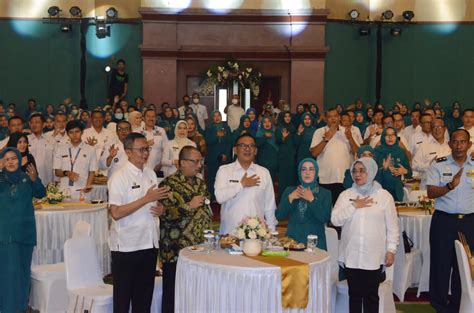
x: 196, y: 100
x: 235, y: 101
x: 286, y: 107
x: 74, y: 112
x: 186, y: 102
x: 119, y: 116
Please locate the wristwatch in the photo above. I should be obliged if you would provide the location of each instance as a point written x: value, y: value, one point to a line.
x: 65, y: 173
x: 449, y: 186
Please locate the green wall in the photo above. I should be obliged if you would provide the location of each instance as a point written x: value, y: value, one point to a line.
x: 38, y: 61
x: 432, y: 61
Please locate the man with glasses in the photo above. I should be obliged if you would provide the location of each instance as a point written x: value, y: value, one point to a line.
x: 419, y: 137
x: 114, y: 156
x: 187, y: 214
x: 450, y: 181
x: 134, y: 235
x: 244, y: 188
x: 435, y: 147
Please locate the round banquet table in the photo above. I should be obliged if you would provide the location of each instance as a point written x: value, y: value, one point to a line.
x: 220, y: 282
x: 55, y: 224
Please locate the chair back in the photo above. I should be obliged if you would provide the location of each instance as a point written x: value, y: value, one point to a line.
x: 332, y: 243
x: 82, y: 228
x: 82, y: 263
x: 400, y: 257
x: 464, y: 269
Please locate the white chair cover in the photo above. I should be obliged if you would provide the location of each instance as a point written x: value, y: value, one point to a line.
x: 467, y: 295
x: 82, y: 228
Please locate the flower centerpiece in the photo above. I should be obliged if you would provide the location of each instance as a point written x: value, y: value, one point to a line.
x: 53, y: 194
x: 426, y: 203
x: 252, y: 230
x: 231, y: 71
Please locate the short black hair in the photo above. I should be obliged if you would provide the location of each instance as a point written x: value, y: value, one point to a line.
x: 59, y: 113
x: 97, y: 111
x: 15, y: 117
x: 460, y: 130
x: 243, y: 136
x: 425, y: 114
x: 123, y: 122
x: 121, y: 61
x: 139, y: 98
x: 74, y: 124
x: 379, y: 111
x: 148, y: 110
x: 32, y: 100
x: 467, y: 110
x: 186, y: 151
x: 36, y: 115
x: 130, y: 139
x: 415, y: 111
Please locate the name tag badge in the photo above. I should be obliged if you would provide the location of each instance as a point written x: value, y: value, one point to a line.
x: 433, y: 152
x: 135, y: 186
x: 233, y: 181
x: 419, y: 142
x: 64, y: 156
x: 447, y: 174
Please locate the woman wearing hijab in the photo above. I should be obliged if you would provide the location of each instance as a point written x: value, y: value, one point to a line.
x: 303, y: 137
x: 393, y: 163
x: 369, y: 236
x: 195, y: 135
x: 172, y: 148
x: 218, y: 140
x: 244, y: 127
x: 360, y: 121
x: 168, y: 122
x: 285, y: 139
x: 362, y: 151
x: 20, y: 142
x: 17, y: 229
x: 454, y: 121
x: 307, y: 206
x: 252, y: 114
x: 135, y: 118
x: 267, y: 147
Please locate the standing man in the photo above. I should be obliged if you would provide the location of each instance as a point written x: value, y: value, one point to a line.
x: 114, y: 156
x: 31, y: 108
x: 184, y: 108
x: 419, y: 137
x: 450, y: 182
x: 97, y: 136
x: 234, y: 111
x: 118, y: 85
x: 75, y: 162
x: 156, y: 137
x: 41, y: 147
x: 15, y: 125
x: 200, y: 111
x: 244, y: 188
x: 58, y: 134
x: 133, y: 196
x: 187, y: 214
x: 373, y: 131
x: 333, y: 146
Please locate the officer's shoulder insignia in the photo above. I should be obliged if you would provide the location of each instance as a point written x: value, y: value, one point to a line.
x: 442, y: 159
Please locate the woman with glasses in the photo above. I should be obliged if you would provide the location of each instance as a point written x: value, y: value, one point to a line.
x: 307, y: 206
x: 369, y: 236
x: 173, y: 147
x: 393, y: 163
x: 362, y: 151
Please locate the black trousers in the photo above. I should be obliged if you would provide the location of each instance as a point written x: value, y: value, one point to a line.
x: 134, y: 280
x: 444, y: 231
x: 169, y: 277
x: 363, y: 289
x: 335, y: 190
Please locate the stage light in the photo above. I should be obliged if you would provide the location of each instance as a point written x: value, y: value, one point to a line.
x: 354, y: 14
x: 111, y: 13
x: 396, y: 31
x: 102, y: 30
x: 75, y: 11
x: 387, y: 15
x: 107, y: 69
x: 53, y: 11
x: 364, y: 31
x: 408, y: 15
x: 66, y: 28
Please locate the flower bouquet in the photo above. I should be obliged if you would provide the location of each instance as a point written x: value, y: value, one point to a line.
x: 252, y: 230
x: 426, y: 203
x: 53, y: 194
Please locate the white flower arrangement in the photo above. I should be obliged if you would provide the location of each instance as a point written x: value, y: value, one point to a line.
x: 252, y: 227
x: 53, y: 194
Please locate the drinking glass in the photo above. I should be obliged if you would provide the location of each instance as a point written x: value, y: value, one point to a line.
x: 209, y: 239
x: 312, y: 243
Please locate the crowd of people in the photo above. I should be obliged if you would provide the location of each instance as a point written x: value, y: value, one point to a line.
x: 172, y: 162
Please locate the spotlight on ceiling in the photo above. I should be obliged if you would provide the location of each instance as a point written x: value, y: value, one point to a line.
x: 102, y: 30
x: 111, y: 13
x: 408, y: 15
x: 107, y: 69
x: 354, y: 14
x: 387, y: 15
x: 53, y: 11
x: 396, y: 31
x: 364, y: 31
x: 75, y: 11
x: 66, y: 28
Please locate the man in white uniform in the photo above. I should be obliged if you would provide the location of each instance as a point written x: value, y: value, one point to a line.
x: 41, y: 147
x: 134, y: 235
x: 114, y: 156
x: 419, y: 137
x: 244, y: 188
x: 97, y: 136
x: 15, y: 124
x: 200, y: 111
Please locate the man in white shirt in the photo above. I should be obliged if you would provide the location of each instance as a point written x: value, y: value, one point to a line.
x: 75, y: 163
x: 435, y: 147
x: 373, y: 131
x: 333, y: 146
x: 58, y: 134
x: 200, y: 111
x: 244, y: 188
x: 97, y: 136
x: 419, y: 137
x: 41, y: 147
x: 468, y: 124
x: 134, y: 235
x: 234, y: 111
x: 415, y: 124
x: 156, y: 137
x: 15, y: 125
x: 346, y: 122
x: 184, y: 108
x: 114, y: 156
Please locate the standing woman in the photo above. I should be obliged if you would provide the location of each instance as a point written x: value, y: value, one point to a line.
x: 285, y: 139
x: 218, y: 140
x: 307, y: 206
x: 303, y: 138
x: 369, y: 236
x: 20, y: 142
x: 244, y: 127
x: 172, y: 148
x: 17, y: 229
x: 195, y: 134
x: 252, y: 114
x: 267, y: 147
x: 393, y: 163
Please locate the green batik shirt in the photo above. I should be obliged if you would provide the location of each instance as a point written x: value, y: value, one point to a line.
x: 181, y: 226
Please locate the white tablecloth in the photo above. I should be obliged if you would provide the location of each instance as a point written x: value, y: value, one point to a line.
x: 99, y: 192
x: 417, y: 227
x: 55, y: 224
x: 219, y: 282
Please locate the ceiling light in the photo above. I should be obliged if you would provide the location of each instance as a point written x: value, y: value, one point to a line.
x: 107, y: 69
x: 66, y: 28
x: 111, y: 13
x: 354, y: 14
x: 75, y: 11
x: 387, y: 15
x: 53, y: 11
x: 364, y: 31
x: 396, y: 31
x: 408, y: 15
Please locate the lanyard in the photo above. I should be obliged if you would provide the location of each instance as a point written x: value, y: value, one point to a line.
x: 71, y: 183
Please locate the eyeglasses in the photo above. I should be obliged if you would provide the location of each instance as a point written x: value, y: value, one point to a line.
x: 126, y: 129
x: 246, y: 146
x: 14, y: 158
x: 361, y: 171
x: 142, y: 150
x: 437, y: 127
x: 196, y: 162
